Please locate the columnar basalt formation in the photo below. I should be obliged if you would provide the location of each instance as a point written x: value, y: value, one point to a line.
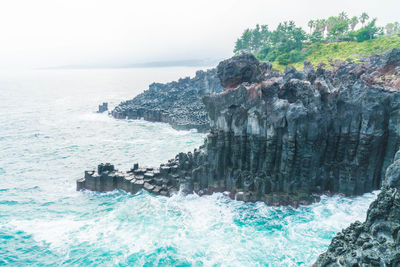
x: 177, y: 103
x: 107, y: 178
x: 285, y: 138
x: 375, y: 242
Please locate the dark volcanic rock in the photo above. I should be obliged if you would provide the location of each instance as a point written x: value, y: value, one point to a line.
x: 393, y: 173
x: 239, y: 69
x: 376, y: 242
x: 392, y: 58
x: 285, y: 139
x: 103, y: 107
x: 177, y: 103
x: 291, y: 137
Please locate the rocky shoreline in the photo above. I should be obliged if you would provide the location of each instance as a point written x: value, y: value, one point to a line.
x: 375, y: 242
x: 289, y: 137
x: 286, y: 138
x: 178, y: 103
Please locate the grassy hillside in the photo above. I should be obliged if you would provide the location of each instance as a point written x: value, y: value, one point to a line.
x: 353, y: 50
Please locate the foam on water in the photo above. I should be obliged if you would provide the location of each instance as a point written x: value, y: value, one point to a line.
x: 50, y: 134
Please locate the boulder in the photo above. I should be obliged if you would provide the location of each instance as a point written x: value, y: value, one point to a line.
x: 239, y: 69
x: 393, y: 175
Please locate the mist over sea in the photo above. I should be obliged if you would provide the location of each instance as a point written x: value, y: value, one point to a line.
x: 50, y: 134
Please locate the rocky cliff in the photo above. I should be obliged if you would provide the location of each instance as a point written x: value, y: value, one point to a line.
x: 285, y: 138
x: 375, y: 242
x: 301, y: 133
x: 177, y: 103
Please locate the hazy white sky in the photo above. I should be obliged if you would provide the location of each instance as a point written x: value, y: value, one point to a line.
x: 43, y: 33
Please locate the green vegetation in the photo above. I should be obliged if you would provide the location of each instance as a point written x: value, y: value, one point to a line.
x: 353, y: 50
x: 334, y: 38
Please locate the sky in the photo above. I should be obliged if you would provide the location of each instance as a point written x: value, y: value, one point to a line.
x: 49, y: 33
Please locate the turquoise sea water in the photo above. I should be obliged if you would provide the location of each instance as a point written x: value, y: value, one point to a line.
x: 50, y: 134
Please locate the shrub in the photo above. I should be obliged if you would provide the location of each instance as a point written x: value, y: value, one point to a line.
x: 296, y: 56
x: 272, y: 55
x: 362, y: 35
x: 263, y: 53
x: 283, y: 59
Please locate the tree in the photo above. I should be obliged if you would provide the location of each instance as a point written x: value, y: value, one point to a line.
x: 363, y: 18
x: 353, y: 22
x: 285, y: 43
x: 316, y: 37
x: 343, y: 16
x: 287, y: 37
x: 265, y: 34
x: 311, y: 24
x: 330, y: 22
x: 396, y: 27
x: 238, y: 46
x: 338, y: 30
x: 320, y: 25
x: 264, y: 52
x: 256, y: 38
x: 369, y: 32
x: 244, y: 42
x: 389, y: 28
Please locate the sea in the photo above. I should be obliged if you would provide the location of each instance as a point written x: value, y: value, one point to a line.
x: 50, y: 134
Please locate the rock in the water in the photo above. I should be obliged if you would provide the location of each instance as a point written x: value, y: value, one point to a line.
x: 103, y: 107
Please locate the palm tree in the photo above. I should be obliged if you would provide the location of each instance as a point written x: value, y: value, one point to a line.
x: 311, y: 24
x: 389, y: 28
x: 330, y: 22
x: 396, y: 27
x: 321, y: 26
x: 343, y: 16
x: 363, y: 18
x: 353, y: 22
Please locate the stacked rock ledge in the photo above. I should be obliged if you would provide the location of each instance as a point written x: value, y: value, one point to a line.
x: 178, y: 103
x: 107, y: 178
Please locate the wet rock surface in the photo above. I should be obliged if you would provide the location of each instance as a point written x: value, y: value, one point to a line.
x: 289, y: 137
x: 103, y: 107
x: 178, y: 103
x: 375, y: 242
x: 107, y: 178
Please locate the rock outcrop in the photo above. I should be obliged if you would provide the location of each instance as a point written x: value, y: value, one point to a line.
x: 177, y: 103
x: 375, y: 242
x: 285, y: 138
x: 243, y: 68
x: 103, y: 107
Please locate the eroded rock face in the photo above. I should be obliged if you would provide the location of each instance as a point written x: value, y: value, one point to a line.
x: 393, y: 172
x: 239, y: 69
x: 293, y: 136
x: 177, y: 103
x: 375, y: 242
x: 303, y: 133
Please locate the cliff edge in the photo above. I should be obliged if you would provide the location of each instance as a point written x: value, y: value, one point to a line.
x: 284, y: 138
